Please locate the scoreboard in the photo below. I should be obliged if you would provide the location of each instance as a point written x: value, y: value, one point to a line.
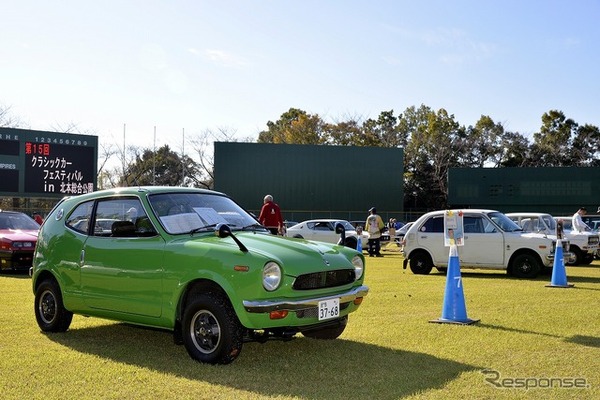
x: 46, y: 164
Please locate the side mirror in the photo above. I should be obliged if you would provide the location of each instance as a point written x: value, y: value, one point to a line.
x: 222, y: 230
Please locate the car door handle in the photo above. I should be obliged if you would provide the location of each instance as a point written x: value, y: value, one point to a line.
x: 82, y: 257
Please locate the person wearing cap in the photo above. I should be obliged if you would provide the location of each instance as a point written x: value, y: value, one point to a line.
x: 577, y: 221
x: 374, y: 225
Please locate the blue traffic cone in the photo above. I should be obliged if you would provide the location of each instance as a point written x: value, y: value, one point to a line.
x: 359, y: 243
x: 454, y: 310
x: 559, y: 275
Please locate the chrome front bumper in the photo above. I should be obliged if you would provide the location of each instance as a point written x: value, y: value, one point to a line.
x: 265, y: 306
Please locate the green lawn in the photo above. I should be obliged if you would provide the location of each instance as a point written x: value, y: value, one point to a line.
x: 528, y: 335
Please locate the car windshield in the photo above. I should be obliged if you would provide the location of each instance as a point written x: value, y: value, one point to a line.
x: 405, y: 228
x: 550, y: 222
x: 503, y: 222
x: 194, y: 212
x: 16, y: 221
x: 347, y: 225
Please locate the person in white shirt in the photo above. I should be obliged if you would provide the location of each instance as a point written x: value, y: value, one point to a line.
x: 577, y: 221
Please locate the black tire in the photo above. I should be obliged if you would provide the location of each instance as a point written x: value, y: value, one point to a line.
x: 443, y: 270
x: 327, y: 333
x: 211, y: 331
x: 350, y: 242
x: 50, y: 313
x: 420, y: 263
x: 525, y: 266
x: 578, y: 255
x: 587, y: 259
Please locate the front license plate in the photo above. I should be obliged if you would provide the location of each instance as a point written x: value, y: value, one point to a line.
x: 329, y: 309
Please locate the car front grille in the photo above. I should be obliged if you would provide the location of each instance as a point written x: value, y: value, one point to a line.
x: 324, y: 279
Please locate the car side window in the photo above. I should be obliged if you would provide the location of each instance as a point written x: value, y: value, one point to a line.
x: 434, y: 224
x: 79, y: 219
x: 323, y: 226
x: 473, y: 224
x: 488, y: 227
x: 122, y: 217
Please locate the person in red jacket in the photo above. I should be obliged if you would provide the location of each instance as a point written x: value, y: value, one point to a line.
x: 270, y: 216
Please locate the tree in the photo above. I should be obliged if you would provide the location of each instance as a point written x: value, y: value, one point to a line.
x: 515, y: 150
x: 552, y: 144
x: 481, y: 144
x: 295, y: 126
x: 203, y: 144
x: 433, y: 149
x: 383, y: 132
x: 344, y: 133
x: 586, y: 147
x: 8, y: 119
x: 163, y: 167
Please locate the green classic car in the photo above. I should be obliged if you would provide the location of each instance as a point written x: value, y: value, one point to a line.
x: 191, y: 261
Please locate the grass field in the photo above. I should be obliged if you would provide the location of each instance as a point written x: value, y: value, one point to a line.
x: 529, y: 335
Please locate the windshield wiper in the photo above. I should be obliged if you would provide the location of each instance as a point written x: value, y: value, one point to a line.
x: 253, y: 226
x: 202, y: 228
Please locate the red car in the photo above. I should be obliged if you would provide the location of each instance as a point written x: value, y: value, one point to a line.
x: 18, y: 236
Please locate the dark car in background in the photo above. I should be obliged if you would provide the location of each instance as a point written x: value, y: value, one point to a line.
x: 18, y: 236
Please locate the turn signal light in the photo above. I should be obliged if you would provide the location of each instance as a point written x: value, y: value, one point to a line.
x: 278, y: 314
x: 358, y: 301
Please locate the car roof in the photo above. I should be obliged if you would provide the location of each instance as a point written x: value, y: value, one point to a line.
x: 12, y: 212
x: 136, y: 190
x: 324, y: 220
x: 464, y: 210
x: 527, y: 213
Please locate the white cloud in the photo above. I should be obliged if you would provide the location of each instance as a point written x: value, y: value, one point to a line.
x: 224, y: 58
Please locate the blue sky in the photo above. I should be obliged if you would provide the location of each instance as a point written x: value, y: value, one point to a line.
x: 207, y: 65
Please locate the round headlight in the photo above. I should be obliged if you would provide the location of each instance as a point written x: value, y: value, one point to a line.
x: 359, y: 266
x: 271, y: 276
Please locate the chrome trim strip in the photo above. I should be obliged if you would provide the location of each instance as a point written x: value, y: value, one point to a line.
x: 291, y: 305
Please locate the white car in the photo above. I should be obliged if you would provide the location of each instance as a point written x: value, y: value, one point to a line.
x: 583, y: 245
x: 323, y: 230
x: 491, y: 241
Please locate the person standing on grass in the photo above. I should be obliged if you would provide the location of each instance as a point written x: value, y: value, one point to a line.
x: 270, y: 216
x: 374, y: 225
x: 577, y: 222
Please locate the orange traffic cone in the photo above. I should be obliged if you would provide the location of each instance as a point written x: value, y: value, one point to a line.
x: 454, y: 310
x: 559, y: 275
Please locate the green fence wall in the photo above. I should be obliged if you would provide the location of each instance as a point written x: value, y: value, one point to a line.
x: 555, y: 190
x: 310, y: 181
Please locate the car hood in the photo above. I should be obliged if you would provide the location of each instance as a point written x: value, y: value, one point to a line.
x: 298, y: 256
x: 19, y: 235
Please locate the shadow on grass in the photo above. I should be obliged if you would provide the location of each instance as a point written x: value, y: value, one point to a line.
x: 14, y: 274
x: 506, y: 329
x: 582, y: 279
x: 590, y: 341
x: 303, y: 368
